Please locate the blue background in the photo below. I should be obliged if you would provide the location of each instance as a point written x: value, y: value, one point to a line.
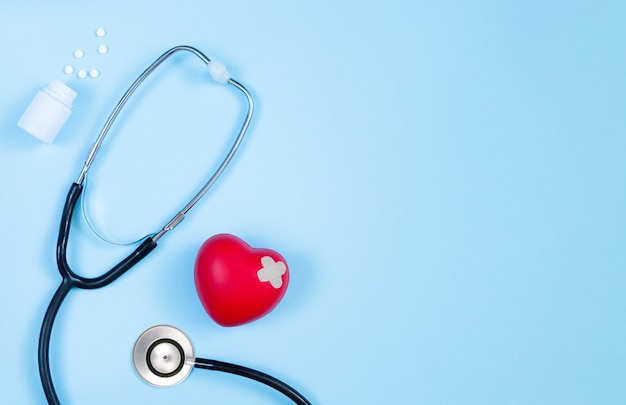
x: 445, y: 180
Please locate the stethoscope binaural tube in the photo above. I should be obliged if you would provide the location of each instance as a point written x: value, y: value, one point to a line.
x: 72, y: 280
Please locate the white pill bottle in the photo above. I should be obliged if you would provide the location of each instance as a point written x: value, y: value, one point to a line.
x: 48, y: 112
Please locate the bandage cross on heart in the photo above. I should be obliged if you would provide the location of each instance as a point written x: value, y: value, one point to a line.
x: 237, y: 283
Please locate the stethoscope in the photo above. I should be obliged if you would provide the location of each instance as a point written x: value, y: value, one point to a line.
x: 163, y: 355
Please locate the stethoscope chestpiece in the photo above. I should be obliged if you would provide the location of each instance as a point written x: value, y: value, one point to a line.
x: 163, y: 356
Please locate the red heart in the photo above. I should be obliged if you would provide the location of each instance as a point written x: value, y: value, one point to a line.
x: 237, y: 283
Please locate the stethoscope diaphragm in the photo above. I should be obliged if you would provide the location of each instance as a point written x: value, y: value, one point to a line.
x: 163, y: 356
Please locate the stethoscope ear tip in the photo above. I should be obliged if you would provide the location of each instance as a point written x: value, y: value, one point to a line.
x: 163, y: 356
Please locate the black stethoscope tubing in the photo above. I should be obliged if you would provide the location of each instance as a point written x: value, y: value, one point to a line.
x: 72, y: 280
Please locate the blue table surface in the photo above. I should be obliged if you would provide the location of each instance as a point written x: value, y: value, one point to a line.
x: 446, y: 180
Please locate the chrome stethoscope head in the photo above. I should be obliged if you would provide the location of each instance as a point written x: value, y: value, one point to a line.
x: 163, y: 356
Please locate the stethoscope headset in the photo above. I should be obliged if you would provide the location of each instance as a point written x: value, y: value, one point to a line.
x: 162, y: 355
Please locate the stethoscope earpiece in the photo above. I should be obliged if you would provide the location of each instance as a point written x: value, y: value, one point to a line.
x: 163, y: 356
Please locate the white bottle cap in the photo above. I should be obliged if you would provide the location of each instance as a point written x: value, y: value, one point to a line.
x: 48, y: 112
